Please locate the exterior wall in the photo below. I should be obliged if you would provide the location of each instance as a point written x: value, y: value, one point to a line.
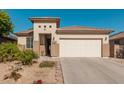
x: 42, y: 30
x: 121, y: 41
x: 36, y: 47
x: 55, y: 50
x: 105, y: 50
x: 21, y: 42
x: 111, y: 48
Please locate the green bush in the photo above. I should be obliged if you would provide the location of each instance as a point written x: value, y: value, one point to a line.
x: 8, y: 52
x: 27, y: 56
x: 47, y: 64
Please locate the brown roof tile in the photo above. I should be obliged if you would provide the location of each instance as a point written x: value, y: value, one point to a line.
x: 82, y: 30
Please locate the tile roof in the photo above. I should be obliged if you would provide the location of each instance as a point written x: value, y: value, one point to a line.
x: 117, y: 36
x: 83, y: 30
x: 26, y: 32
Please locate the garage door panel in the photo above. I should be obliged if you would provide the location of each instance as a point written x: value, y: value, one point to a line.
x: 91, y: 48
x: 80, y: 48
x: 69, y: 48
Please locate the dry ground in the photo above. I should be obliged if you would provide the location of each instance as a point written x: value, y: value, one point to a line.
x: 33, y: 73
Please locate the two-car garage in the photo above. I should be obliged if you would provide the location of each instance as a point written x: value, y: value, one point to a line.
x: 80, y: 47
x: 79, y: 41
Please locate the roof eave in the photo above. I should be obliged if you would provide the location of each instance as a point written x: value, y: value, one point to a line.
x: 66, y: 32
x: 32, y: 19
x: 23, y: 34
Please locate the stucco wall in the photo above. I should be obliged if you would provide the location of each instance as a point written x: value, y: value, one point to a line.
x: 55, y: 50
x: 122, y: 41
x: 105, y: 50
x: 21, y: 40
x: 41, y: 30
x: 36, y: 47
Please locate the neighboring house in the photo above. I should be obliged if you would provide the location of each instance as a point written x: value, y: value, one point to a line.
x: 48, y: 39
x: 7, y: 39
x: 117, y: 45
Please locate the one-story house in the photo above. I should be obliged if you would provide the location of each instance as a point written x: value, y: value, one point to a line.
x: 47, y: 38
x: 117, y: 45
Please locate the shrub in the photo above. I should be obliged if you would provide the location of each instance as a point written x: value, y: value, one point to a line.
x: 13, y: 75
x: 8, y: 52
x: 27, y: 56
x: 47, y: 64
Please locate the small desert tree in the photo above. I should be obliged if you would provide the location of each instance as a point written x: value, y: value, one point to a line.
x: 6, y: 26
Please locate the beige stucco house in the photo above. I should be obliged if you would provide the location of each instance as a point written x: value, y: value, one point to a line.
x: 48, y: 39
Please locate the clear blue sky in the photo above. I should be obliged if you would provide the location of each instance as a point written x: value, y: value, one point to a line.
x: 109, y: 19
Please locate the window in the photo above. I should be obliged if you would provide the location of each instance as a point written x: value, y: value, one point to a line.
x: 117, y: 42
x: 50, y: 26
x: 44, y: 26
x: 29, y: 42
x: 39, y: 26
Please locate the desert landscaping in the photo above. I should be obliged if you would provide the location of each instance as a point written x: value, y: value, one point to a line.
x: 27, y: 67
x: 32, y: 74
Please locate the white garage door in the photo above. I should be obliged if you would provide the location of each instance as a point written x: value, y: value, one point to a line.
x: 80, y: 48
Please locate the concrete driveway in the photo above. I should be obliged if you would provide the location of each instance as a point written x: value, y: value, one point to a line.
x: 92, y: 71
